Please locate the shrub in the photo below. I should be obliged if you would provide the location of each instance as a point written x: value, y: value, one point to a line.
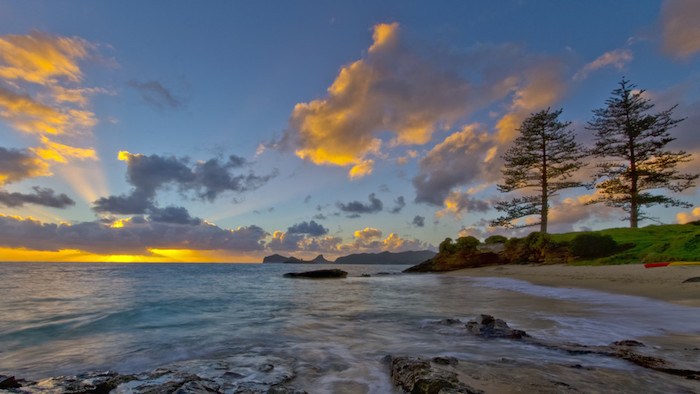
x: 495, y: 239
x: 591, y: 245
x: 447, y: 247
x: 467, y: 244
x: 531, y: 249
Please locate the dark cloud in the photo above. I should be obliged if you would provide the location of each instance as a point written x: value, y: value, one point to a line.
x: 311, y: 228
x: 400, y: 203
x: 418, y: 221
x: 207, y: 180
x: 458, y: 160
x: 16, y: 165
x: 136, y: 236
x: 136, y: 203
x: 175, y: 215
x: 157, y: 95
x: 320, y: 216
x: 357, y: 207
x: 41, y: 196
x: 307, y: 199
x: 384, y: 188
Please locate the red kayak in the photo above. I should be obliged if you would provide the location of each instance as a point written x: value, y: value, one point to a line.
x: 654, y: 265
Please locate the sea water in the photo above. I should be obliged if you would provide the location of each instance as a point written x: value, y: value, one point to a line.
x: 58, y: 319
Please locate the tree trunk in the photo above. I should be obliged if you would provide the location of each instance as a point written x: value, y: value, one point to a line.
x: 544, y: 212
x: 634, y: 192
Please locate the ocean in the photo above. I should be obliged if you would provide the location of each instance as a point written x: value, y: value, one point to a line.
x: 60, y: 319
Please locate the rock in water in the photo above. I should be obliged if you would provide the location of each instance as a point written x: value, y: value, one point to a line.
x: 489, y: 327
x: 692, y: 280
x: 318, y: 274
x: 418, y: 376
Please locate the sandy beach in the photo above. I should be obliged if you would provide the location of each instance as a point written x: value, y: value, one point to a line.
x: 665, y: 283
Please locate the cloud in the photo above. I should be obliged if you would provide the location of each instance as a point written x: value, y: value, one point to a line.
x: 400, y: 203
x: 458, y: 160
x: 307, y: 198
x: 175, y: 215
x: 680, y: 28
x: 687, y: 217
x: 41, y: 196
x: 41, y: 59
x: 16, y: 165
x: 357, y: 207
x: 418, y: 221
x: 311, y: 228
x: 156, y: 95
x: 458, y: 202
x: 368, y: 233
x: 207, y: 180
x: 617, y: 58
x: 126, y: 236
x: 393, y: 88
x: 370, y: 240
x: 41, y: 93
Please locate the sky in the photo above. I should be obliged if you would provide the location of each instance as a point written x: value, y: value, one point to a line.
x: 225, y: 131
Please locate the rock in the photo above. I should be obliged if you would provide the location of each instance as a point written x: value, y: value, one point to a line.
x: 441, y: 263
x: 627, y: 343
x: 87, y: 383
x: 417, y: 376
x: 443, y: 360
x: 489, y: 327
x: 318, y: 274
x: 9, y: 382
x: 692, y: 280
x: 365, y: 276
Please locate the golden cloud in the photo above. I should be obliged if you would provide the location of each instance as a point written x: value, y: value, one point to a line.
x: 681, y: 30
x: 391, y: 90
x: 687, y: 217
x: 367, y: 233
x: 40, y: 93
x: 41, y: 58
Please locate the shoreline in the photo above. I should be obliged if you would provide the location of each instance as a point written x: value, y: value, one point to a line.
x: 663, y: 283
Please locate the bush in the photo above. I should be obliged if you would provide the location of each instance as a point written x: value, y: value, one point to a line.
x: 531, y: 249
x: 591, y: 245
x: 447, y: 247
x: 495, y: 239
x: 467, y: 244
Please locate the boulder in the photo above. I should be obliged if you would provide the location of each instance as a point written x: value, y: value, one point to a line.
x: 318, y: 274
x: 489, y: 327
x: 418, y: 376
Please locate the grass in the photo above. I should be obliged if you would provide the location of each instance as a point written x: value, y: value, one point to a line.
x: 655, y: 243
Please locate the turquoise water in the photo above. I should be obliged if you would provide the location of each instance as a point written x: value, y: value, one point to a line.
x: 70, y: 318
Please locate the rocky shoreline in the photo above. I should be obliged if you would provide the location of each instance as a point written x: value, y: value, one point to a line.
x: 646, y: 370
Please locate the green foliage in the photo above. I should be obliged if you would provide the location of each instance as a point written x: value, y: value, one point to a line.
x: 467, y: 244
x: 495, y: 239
x: 671, y: 242
x: 629, y: 143
x: 543, y: 157
x: 534, y: 248
x: 592, y: 245
x: 447, y: 246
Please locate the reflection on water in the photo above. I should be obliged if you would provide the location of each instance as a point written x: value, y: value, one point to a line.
x: 70, y: 318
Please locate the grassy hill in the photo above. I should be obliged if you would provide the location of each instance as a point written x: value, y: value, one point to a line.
x: 655, y: 243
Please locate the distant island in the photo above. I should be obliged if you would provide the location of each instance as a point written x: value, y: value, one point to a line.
x: 410, y: 257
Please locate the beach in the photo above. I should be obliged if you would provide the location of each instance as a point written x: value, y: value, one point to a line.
x: 662, y: 283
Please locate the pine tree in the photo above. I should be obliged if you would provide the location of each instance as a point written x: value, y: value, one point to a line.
x: 630, y: 142
x: 543, y: 157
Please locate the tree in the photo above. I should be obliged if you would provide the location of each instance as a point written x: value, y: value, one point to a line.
x: 631, y: 142
x: 544, y: 157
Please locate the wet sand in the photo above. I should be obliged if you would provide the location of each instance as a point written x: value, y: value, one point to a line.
x: 663, y: 283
